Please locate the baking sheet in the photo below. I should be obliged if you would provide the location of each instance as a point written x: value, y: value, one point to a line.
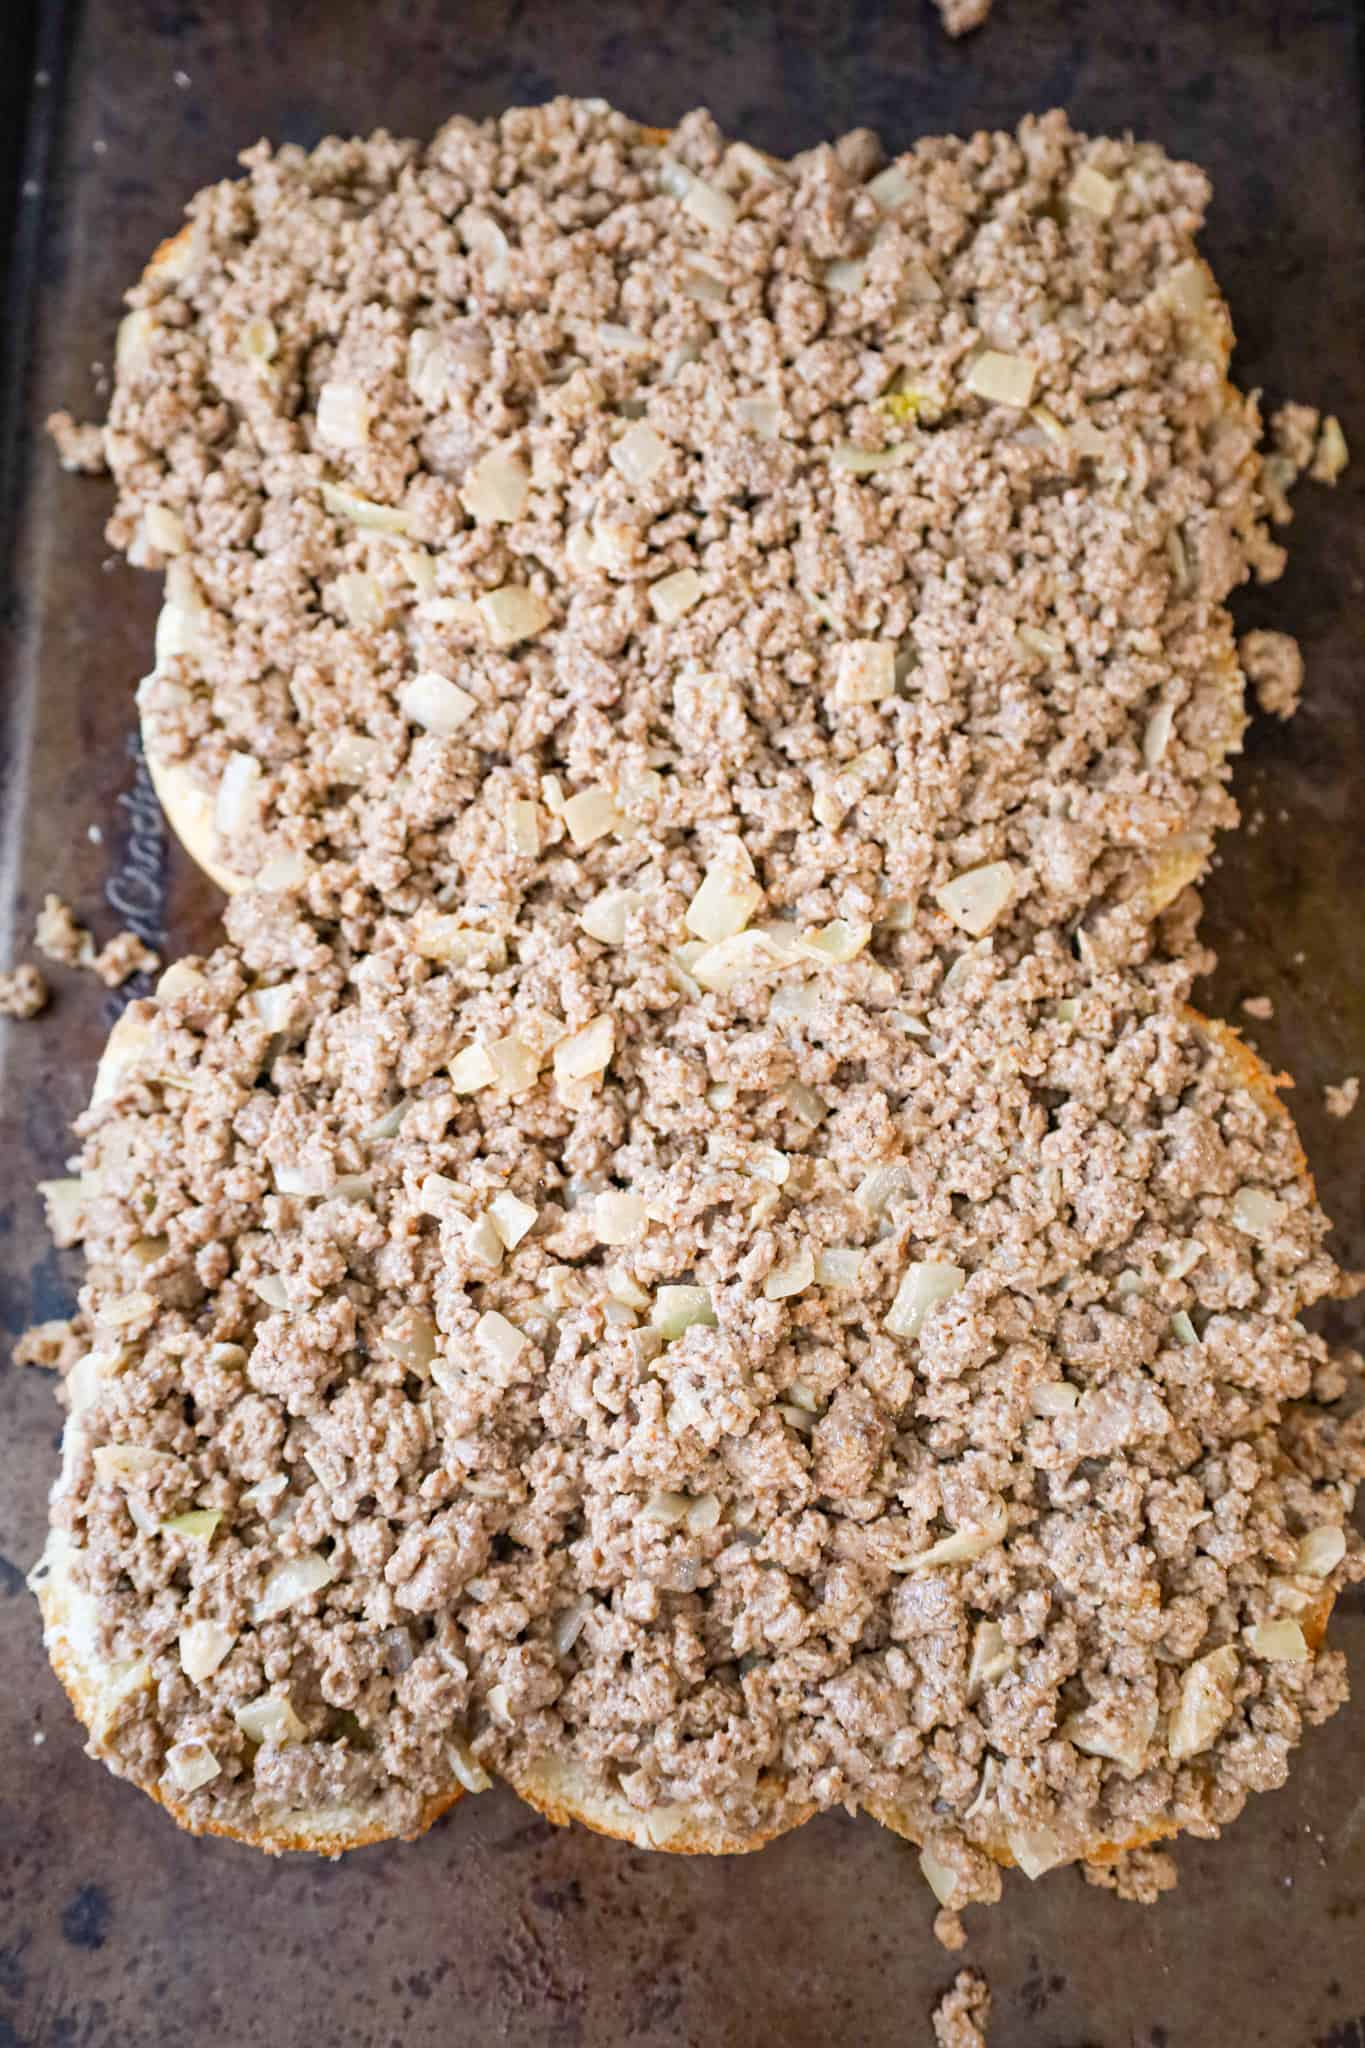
x: 113, y: 1927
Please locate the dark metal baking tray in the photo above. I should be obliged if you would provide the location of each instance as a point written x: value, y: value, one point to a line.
x: 114, y: 1928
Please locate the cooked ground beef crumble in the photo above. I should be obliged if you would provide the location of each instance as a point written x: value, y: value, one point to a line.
x: 882, y: 1408
x: 880, y: 511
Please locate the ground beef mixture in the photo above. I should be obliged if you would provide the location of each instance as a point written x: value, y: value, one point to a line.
x: 23, y: 992
x: 963, y: 2013
x: 767, y: 1392
x: 878, y: 515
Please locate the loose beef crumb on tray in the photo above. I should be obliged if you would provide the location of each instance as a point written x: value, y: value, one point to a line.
x: 23, y: 991
x: 884, y: 510
x: 959, y: 17
x: 1341, y: 1097
x: 58, y: 936
x: 757, y: 1398
x: 963, y: 2013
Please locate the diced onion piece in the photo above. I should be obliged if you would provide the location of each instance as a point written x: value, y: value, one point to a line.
x: 468, y: 1770
x: 117, y: 1464
x: 180, y: 979
x: 804, y: 1103
x: 362, y: 599
x: 133, y: 343
x: 270, y: 1719
x: 260, y: 342
x: 364, y: 511
x: 761, y: 416
x: 203, y: 1647
x: 496, y: 488
x: 875, y: 1190
x: 703, y: 1513
x: 1182, y: 1329
x: 671, y: 596
x: 501, y: 1342
x: 793, y: 1276
x: 343, y: 415
x: 1258, y: 1213
x: 1279, y: 1642
x: 591, y: 814
x: 388, y: 1125
x: 190, y: 1764
x: 1321, y: 1550
x: 1036, y: 1850
x: 991, y: 1657
x: 587, y: 1051
x: 623, y: 339
x: 924, y: 1283
x: 1188, y: 286
x: 513, y: 613
x: 523, y: 828
x: 298, y: 1578
x: 867, y: 672
x: 963, y: 1546
x: 516, y: 1065
x: 942, y: 1879
x: 441, y: 935
x: 723, y: 904
x: 483, y: 1242
x: 411, y: 1339
x: 1157, y: 737
x: 196, y: 1526
x: 975, y: 901
x: 436, y: 704
x: 285, y: 871
x: 839, y: 1266
x: 640, y: 454
x: 1205, y: 1702
x: 437, y: 1194
x: 1003, y: 379
x: 727, y: 962
x: 472, y: 1069
x: 604, y: 919
x: 262, y: 1496
x: 512, y: 1218
x: 675, y: 1309
x: 484, y: 239
x: 846, y: 274
x: 868, y: 461
x: 303, y: 1180
x: 665, y: 1508
x: 238, y: 802
x: 619, y: 1218
x: 837, y: 942
x: 621, y: 1286
x: 713, y: 209
x: 65, y: 1204
x: 1092, y: 192
x: 164, y: 530
x: 1124, y: 1738
x: 1054, y: 1397
x: 270, y: 1288
x: 891, y: 187
x: 1331, y: 455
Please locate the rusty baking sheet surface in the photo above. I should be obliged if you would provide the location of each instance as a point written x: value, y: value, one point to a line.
x: 113, y: 1927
